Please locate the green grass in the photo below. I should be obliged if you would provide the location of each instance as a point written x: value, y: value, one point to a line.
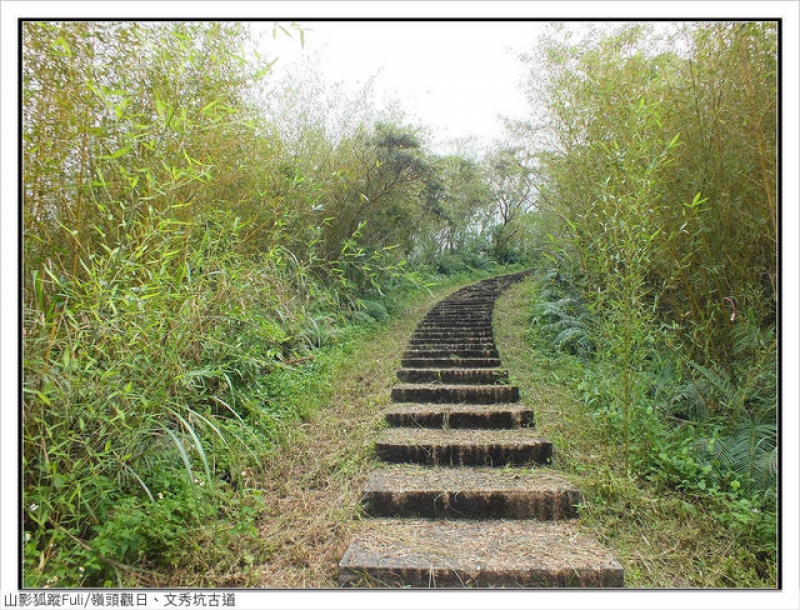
x: 664, y: 538
x: 288, y: 524
x: 311, y: 489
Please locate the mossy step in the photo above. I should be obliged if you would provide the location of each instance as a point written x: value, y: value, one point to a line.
x: 456, y: 321
x: 485, y: 417
x: 471, y: 297
x: 468, y: 493
x: 450, y: 394
x: 448, y: 353
x: 459, y: 447
x: 484, y: 311
x: 470, y: 329
x: 464, y: 376
x: 427, y: 344
x: 482, y: 316
x: 418, y: 553
x: 445, y: 332
x: 454, y: 337
x: 461, y: 309
x: 442, y: 342
x: 449, y: 363
x: 455, y: 325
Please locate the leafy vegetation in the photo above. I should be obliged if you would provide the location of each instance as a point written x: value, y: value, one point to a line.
x: 676, y: 517
x: 186, y: 267
x: 661, y: 273
x: 204, y: 244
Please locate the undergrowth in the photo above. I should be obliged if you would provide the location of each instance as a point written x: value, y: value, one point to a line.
x: 157, y: 382
x: 696, y: 506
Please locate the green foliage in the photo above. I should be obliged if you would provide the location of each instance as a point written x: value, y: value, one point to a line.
x: 564, y: 317
x: 511, y: 186
x: 657, y: 172
x: 706, y: 432
x: 655, y: 162
x: 170, y: 308
x: 144, y: 373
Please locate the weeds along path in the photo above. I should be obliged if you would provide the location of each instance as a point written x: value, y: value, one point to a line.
x: 662, y: 537
x: 461, y: 500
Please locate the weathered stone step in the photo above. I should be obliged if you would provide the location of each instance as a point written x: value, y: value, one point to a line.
x: 449, y: 309
x: 467, y: 394
x: 445, y: 342
x: 419, y: 553
x: 446, y: 363
x: 466, y: 376
x: 457, y: 447
x: 471, y: 297
x: 454, y: 325
x: 429, y: 344
x: 469, y: 310
x: 459, y: 314
x: 477, y: 313
x: 485, y: 417
x: 477, y: 305
x: 468, y: 493
x: 444, y: 337
x: 453, y: 336
x: 448, y: 353
x: 443, y: 332
x: 467, y: 329
x: 455, y: 322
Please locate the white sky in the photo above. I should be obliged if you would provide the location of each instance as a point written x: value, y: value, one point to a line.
x: 455, y: 77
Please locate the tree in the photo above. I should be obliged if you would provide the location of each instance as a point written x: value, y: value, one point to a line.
x: 511, y: 185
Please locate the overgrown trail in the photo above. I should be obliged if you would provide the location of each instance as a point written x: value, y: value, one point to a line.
x: 314, y: 480
x: 457, y: 506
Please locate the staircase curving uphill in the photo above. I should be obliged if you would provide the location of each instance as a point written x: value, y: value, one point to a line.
x: 459, y: 505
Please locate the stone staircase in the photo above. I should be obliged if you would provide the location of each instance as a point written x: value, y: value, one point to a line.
x: 459, y: 505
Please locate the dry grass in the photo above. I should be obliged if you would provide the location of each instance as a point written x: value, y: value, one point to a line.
x: 431, y: 437
x: 456, y: 480
x: 495, y: 544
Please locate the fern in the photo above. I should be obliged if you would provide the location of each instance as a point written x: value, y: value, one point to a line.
x: 745, y: 400
x: 718, y: 386
x: 750, y: 451
x: 564, y: 316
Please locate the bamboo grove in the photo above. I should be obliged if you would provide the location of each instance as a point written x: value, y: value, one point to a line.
x: 194, y: 230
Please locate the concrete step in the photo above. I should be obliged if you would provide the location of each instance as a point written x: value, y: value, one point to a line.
x: 481, y: 343
x: 467, y: 329
x: 418, y: 553
x: 454, y: 325
x: 462, y: 310
x: 468, y: 493
x: 447, y: 332
x: 454, y: 337
x: 455, y: 322
x: 458, y: 447
x: 470, y: 297
x: 443, y: 346
x: 484, y: 312
x: 455, y: 376
x: 448, y: 353
x: 485, y: 417
x: 449, y: 363
x: 450, y: 394
x: 458, y: 316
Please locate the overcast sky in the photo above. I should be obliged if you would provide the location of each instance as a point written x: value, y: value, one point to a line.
x: 455, y: 77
